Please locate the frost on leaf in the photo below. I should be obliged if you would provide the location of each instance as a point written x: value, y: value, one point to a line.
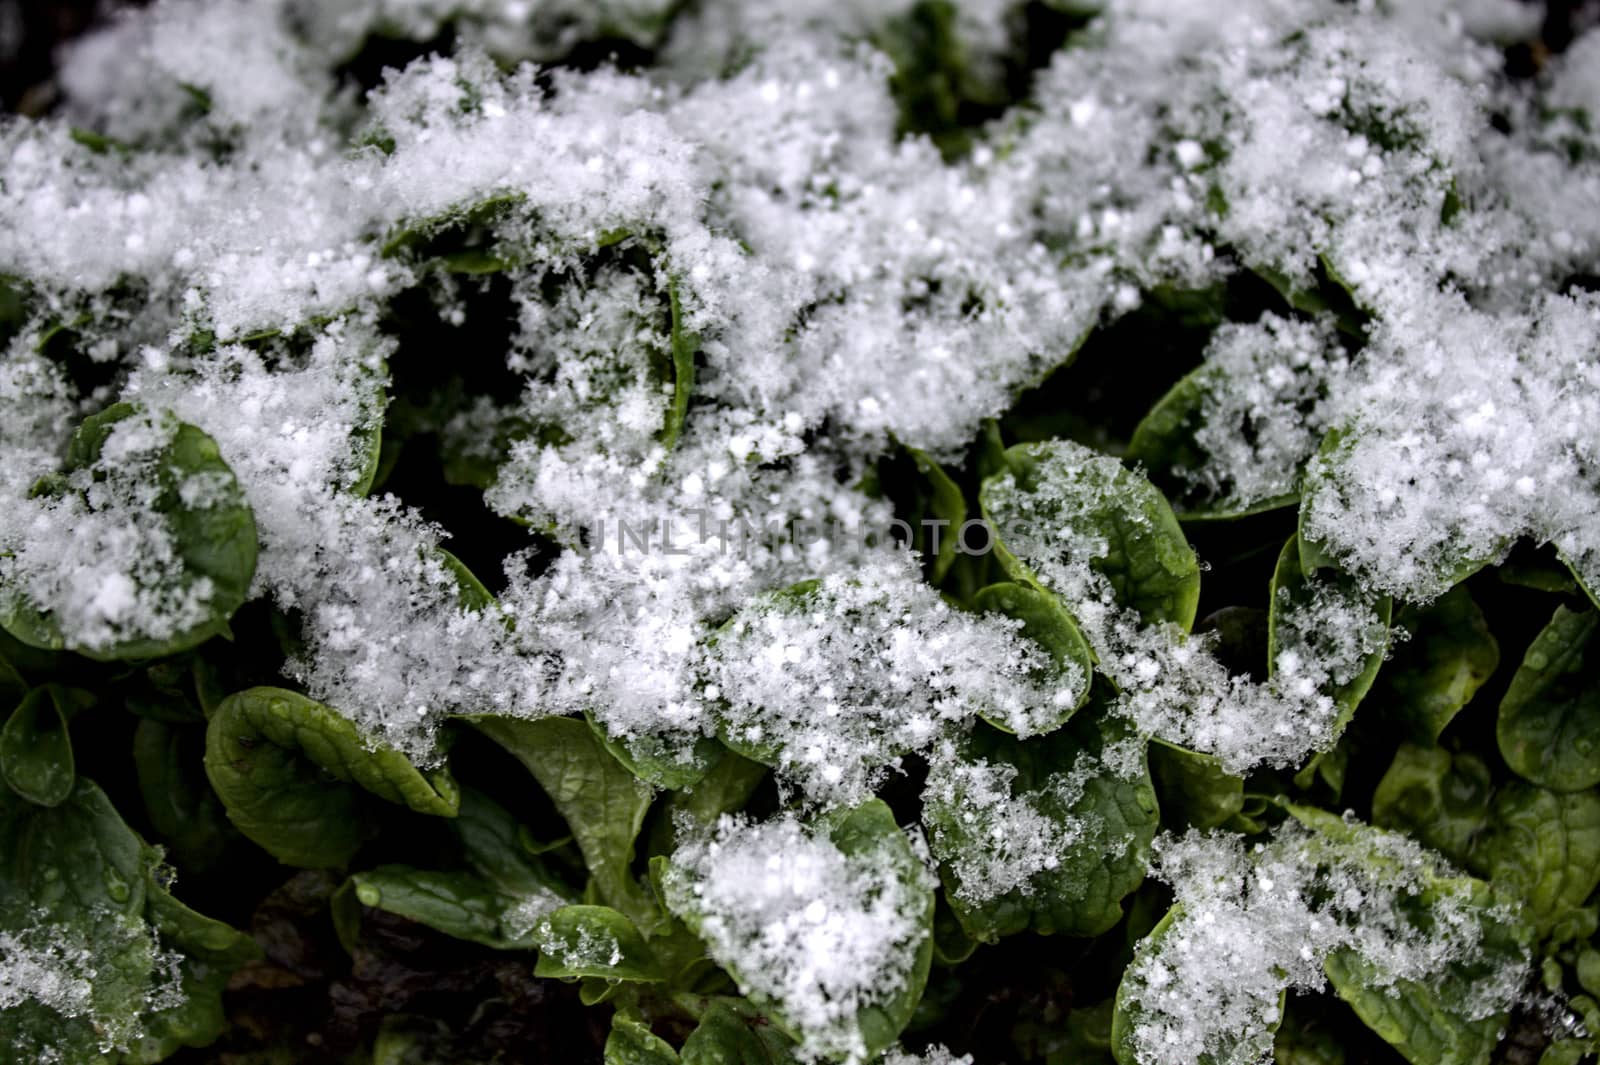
x: 831, y: 932
x: 1381, y: 916
x: 834, y: 680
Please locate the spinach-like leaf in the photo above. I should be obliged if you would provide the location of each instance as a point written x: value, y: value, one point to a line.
x: 1437, y: 671
x: 498, y: 901
x: 35, y: 749
x: 1438, y: 799
x: 1429, y: 1023
x: 1549, y: 724
x: 1106, y: 821
x: 868, y: 836
x: 603, y: 804
x: 732, y: 1032
x: 213, y: 537
x: 1420, y: 1020
x: 1192, y: 787
x: 212, y: 951
x: 1545, y: 846
x: 1046, y: 623
x: 1057, y: 487
x: 654, y: 761
x: 456, y: 902
x: 82, y: 894
x: 632, y: 1043
x: 1325, y: 477
x: 870, y: 830
x: 1541, y: 844
x: 1294, y: 590
x: 593, y: 941
x: 1128, y: 1010
x: 1164, y: 442
x: 284, y: 767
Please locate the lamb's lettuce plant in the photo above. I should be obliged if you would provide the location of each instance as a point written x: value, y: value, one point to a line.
x: 755, y: 533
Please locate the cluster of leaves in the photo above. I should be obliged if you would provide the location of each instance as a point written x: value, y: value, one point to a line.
x: 510, y: 903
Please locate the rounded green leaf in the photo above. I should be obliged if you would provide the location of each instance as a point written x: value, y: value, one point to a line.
x: 1046, y: 623
x: 653, y: 761
x: 1545, y: 846
x: 603, y: 804
x: 733, y: 1032
x: 1193, y: 788
x: 204, y: 513
x: 294, y: 777
x: 1435, y: 673
x: 1105, y: 822
x: 1438, y: 799
x: 78, y: 876
x: 1164, y: 441
x: 1549, y: 724
x: 36, y: 750
x: 632, y: 1043
x: 1058, y: 501
x: 593, y: 941
x: 1296, y: 594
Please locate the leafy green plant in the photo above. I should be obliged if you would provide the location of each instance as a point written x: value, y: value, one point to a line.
x: 744, y: 533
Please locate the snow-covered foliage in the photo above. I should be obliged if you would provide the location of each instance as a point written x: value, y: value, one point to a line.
x: 646, y: 309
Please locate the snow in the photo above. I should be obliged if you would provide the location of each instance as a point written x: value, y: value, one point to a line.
x: 1170, y: 684
x: 820, y: 934
x: 232, y: 260
x: 1252, y: 921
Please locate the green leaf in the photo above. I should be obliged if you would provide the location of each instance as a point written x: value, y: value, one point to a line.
x: 593, y: 941
x: 36, y: 750
x: 215, y: 543
x: 1193, y: 788
x: 1293, y: 591
x: 494, y: 845
x: 1435, y: 673
x: 632, y: 1043
x: 1046, y: 623
x: 732, y: 1032
x: 212, y: 951
x: 1545, y: 846
x: 1427, y: 1022
x: 284, y: 767
x: 1109, y: 821
x: 457, y: 903
x: 1549, y: 724
x: 1127, y: 1011
x: 1326, y: 476
x: 77, y: 879
x: 1418, y: 1020
x: 183, y: 809
x: 684, y: 346
x: 867, y: 836
x: 656, y: 762
x: 1164, y: 442
x: 1057, y: 487
x: 726, y: 787
x: 1542, y: 845
x: 603, y: 804
x: 870, y: 830
x: 1436, y: 798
